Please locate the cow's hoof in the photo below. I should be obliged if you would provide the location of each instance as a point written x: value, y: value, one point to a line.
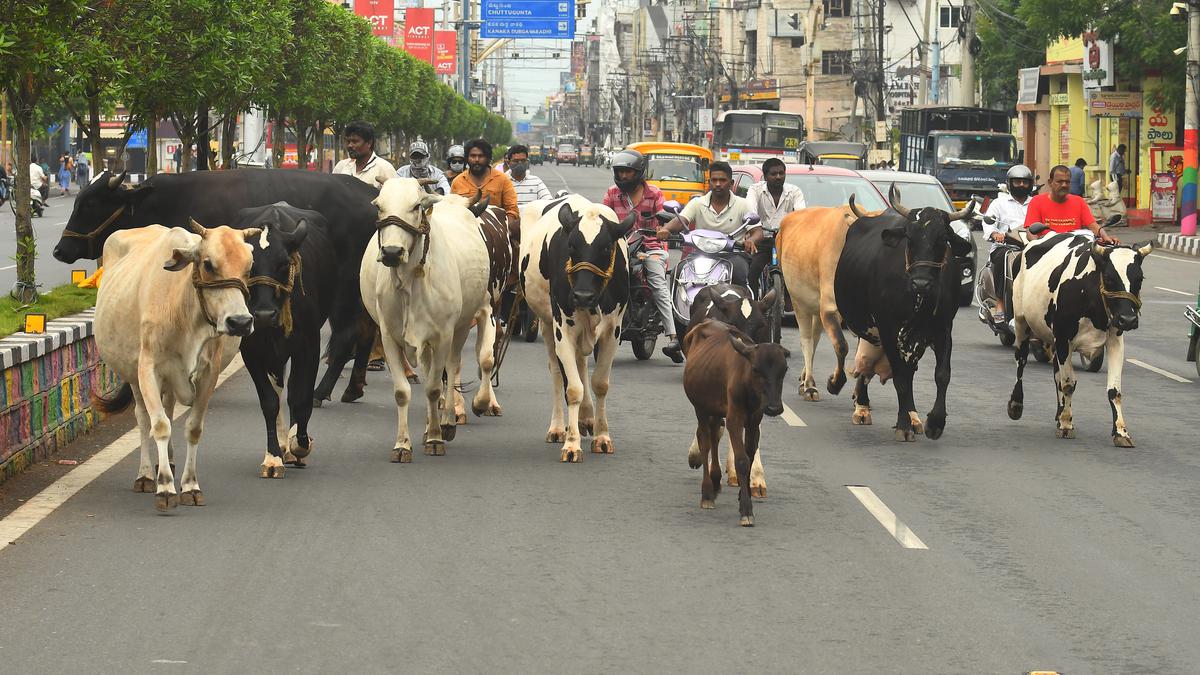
x: 449, y: 431
x: 271, y: 471
x: 493, y: 410
x: 758, y: 490
x: 413, y: 378
x: 165, y: 502
x: 1064, y: 433
x: 459, y: 418
x: 708, y: 503
x: 299, y: 451
x: 401, y: 455
x: 1123, y: 441
x: 861, y: 416
x: 352, y: 394
x: 435, y: 448
x: 572, y: 455
x: 603, y: 445
x: 695, y: 461
x: 289, y: 458
x: 810, y: 394
x: 835, y: 384
x: 556, y: 436
x: 477, y: 410
x: 144, y: 484
x: 746, y: 521
x: 906, y: 435
x: 318, y: 403
x: 191, y: 498
x: 917, y: 425
x: 934, y: 427
x: 586, y: 428
x: 1015, y: 408
x: 732, y: 480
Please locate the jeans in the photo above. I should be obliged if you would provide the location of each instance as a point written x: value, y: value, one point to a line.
x: 740, y: 262
x: 758, y: 263
x: 654, y: 267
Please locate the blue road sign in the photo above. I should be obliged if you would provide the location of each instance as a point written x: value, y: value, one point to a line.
x: 524, y: 127
x: 548, y: 19
x: 137, y: 139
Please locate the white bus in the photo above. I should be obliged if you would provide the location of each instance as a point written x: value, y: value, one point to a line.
x: 752, y: 136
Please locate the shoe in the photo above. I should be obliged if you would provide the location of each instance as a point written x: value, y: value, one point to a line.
x: 998, y: 315
x: 673, y: 350
x: 375, y: 365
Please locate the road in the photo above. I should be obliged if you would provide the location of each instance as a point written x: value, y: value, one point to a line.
x: 46, y: 230
x: 1041, y: 554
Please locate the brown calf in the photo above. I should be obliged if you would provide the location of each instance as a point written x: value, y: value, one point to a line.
x: 731, y: 382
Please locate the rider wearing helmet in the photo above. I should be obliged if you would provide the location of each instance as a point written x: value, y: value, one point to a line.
x: 1008, y: 208
x: 631, y: 192
x: 420, y: 167
x: 456, y: 162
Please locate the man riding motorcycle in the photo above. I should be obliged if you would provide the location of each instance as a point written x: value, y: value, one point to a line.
x: 456, y: 162
x: 420, y: 167
x: 1008, y: 209
x: 631, y: 192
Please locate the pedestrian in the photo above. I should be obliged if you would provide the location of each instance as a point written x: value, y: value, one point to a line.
x: 178, y: 157
x: 529, y: 187
x: 82, y: 176
x: 1116, y: 167
x: 495, y: 184
x: 64, y: 173
x: 1077, y: 177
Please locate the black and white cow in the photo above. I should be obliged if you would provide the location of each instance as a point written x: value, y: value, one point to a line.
x: 292, y: 290
x: 1076, y: 295
x: 898, y: 273
x: 574, y: 273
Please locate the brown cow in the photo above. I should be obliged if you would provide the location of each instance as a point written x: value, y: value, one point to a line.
x: 809, y: 243
x: 731, y: 382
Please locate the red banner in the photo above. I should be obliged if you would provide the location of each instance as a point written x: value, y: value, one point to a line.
x: 418, y: 33
x: 445, y: 49
x: 378, y: 13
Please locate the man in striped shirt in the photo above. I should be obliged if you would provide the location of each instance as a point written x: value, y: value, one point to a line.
x: 529, y: 187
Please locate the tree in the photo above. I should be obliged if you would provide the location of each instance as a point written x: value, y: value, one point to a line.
x: 1007, y: 46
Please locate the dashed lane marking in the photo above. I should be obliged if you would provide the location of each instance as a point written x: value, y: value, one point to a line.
x: 10, y: 267
x: 791, y: 417
x: 1172, y: 290
x: 1161, y: 256
x: 1155, y: 369
x: 36, y: 509
x: 875, y: 506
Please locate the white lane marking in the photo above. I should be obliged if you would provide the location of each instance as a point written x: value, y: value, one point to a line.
x: 167, y: 661
x: 1160, y: 256
x: 1160, y: 371
x: 875, y: 506
x: 1172, y: 290
x: 566, y: 185
x: 45, y: 502
x: 791, y: 417
x: 9, y: 267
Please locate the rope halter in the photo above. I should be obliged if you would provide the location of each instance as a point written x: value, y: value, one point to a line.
x: 91, y: 237
x: 201, y: 284
x: 284, y: 290
x: 1106, y: 295
x: 605, y: 274
x: 420, y: 230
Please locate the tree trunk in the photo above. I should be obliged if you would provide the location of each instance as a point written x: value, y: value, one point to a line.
x: 202, y: 154
x: 278, y: 138
x: 320, y: 143
x: 22, y: 115
x: 93, y: 134
x: 151, y: 145
x: 302, y: 126
x: 228, y: 130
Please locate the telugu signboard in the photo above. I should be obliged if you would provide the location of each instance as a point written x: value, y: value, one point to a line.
x: 549, y: 19
x: 1097, y: 62
x: 378, y: 13
x: 418, y: 33
x: 1115, y: 104
x: 445, y: 51
x: 1160, y: 125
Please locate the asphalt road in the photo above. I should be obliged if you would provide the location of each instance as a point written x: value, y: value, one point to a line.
x: 1042, y: 554
x: 46, y: 230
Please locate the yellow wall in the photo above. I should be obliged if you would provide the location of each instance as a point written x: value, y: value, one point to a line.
x: 1066, y: 49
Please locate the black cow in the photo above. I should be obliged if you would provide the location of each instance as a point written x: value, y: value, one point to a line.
x: 291, y: 284
x: 735, y: 306
x: 216, y: 197
x: 898, y: 274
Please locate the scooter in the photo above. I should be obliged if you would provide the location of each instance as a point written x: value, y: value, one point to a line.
x: 707, y: 263
x: 642, y: 324
x: 37, y: 202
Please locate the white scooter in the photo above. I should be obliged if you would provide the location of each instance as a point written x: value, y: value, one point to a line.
x: 37, y: 204
x: 709, y: 262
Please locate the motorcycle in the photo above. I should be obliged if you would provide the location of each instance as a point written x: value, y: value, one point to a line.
x: 37, y: 202
x: 642, y: 324
x: 707, y: 263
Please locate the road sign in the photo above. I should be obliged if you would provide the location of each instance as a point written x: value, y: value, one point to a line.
x: 524, y: 127
x: 137, y: 139
x: 550, y: 19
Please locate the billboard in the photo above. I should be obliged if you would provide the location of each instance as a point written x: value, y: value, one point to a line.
x: 577, y: 58
x: 378, y: 13
x: 1097, y: 62
x: 418, y: 32
x: 445, y: 51
x: 549, y: 19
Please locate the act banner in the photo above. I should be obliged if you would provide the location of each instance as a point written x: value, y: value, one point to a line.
x: 378, y: 13
x: 445, y: 51
x: 418, y: 33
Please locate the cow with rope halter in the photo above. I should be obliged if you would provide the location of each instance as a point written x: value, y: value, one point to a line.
x: 1077, y: 295
x: 895, y: 287
x: 167, y: 335
x: 574, y: 273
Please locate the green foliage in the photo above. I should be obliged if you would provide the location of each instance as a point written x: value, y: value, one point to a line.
x: 1008, y: 46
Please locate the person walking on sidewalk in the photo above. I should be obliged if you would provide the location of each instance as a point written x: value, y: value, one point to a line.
x: 64, y: 173
x: 1116, y: 167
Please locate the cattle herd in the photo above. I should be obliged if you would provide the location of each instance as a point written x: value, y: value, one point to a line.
x: 200, y: 266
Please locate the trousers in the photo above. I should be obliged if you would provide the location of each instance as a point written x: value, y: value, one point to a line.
x: 654, y: 267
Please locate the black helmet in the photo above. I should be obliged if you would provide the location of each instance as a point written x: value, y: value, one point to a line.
x: 629, y: 159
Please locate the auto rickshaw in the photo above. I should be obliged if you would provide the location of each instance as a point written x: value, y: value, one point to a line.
x: 535, y: 154
x: 834, y: 153
x: 680, y: 170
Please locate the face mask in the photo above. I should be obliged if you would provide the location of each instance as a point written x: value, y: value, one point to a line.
x: 1019, y: 193
x: 457, y: 165
x: 518, y: 169
x: 419, y: 162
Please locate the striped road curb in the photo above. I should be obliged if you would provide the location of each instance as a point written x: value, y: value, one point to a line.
x: 1179, y: 243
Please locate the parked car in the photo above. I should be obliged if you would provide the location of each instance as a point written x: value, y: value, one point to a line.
x: 918, y: 190
x: 680, y: 170
x: 567, y: 154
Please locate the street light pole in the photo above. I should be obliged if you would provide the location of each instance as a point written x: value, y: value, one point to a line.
x: 1191, y: 125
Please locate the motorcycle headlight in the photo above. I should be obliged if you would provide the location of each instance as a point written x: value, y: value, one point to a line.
x: 708, y: 244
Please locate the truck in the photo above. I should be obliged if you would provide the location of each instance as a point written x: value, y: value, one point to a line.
x: 969, y: 150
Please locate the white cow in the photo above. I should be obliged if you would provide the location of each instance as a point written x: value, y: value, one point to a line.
x: 424, y: 279
x: 167, y: 335
x: 575, y: 276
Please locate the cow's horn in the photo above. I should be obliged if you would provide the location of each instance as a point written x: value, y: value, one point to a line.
x: 427, y: 181
x: 858, y: 213
x: 965, y: 212
x: 894, y: 198
x: 115, y: 180
x: 476, y: 198
x: 196, y: 227
x: 478, y: 206
x: 1145, y: 250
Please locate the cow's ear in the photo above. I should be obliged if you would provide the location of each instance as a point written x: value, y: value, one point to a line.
x: 182, y: 256
x: 767, y: 301
x: 293, y: 239
x: 568, y: 218
x: 619, y: 230
x: 742, y: 348
x: 892, y: 236
x: 958, y: 245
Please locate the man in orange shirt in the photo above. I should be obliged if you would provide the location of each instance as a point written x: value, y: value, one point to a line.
x: 481, y: 176
x: 1062, y: 211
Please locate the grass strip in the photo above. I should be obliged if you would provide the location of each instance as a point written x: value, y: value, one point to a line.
x: 62, y: 301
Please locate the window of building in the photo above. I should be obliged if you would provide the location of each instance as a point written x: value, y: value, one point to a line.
x: 752, y: 53
x: 949, y: 17
x: 837, y: 8
x: 835, y: 63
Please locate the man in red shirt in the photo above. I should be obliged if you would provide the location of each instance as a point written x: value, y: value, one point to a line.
x: 1062, y: 211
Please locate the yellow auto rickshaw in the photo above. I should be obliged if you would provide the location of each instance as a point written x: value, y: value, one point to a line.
x: 680, y: 170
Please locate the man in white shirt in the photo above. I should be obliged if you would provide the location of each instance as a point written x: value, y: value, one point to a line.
x: 363, y: 163
x: 529, y: 187
x: 721, y: 211
x: 771, y: 198
x: 37, y: 177
x: 420, y: 167
x: 1008, y: 208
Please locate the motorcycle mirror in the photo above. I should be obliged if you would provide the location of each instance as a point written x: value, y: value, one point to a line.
x: 1112, y: 220
x: 751, y: 219
x: 1037, y: 228
x: 672, y: 206
x: 978, y: 199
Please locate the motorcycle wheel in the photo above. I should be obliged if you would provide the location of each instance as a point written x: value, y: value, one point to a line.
x: 643, y: 348
x: 1007, y: 339
x: 1092, y: 365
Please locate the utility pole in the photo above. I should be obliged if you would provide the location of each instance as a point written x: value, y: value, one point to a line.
x: 923, y: 97
x: 1191, y: 125
x: 880, y: 110
x: 966, y: 94
x: 935, y: 83
x: 815, y: 11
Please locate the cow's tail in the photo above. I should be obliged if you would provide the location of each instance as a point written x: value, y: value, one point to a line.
x: 120, y: 401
